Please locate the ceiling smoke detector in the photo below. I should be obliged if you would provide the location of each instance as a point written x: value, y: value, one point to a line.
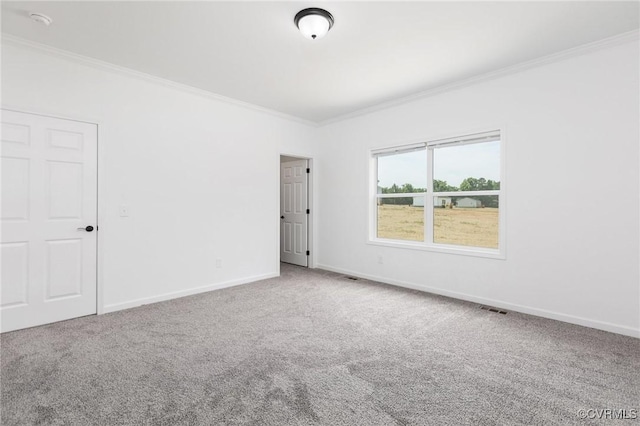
x: 41, y: 18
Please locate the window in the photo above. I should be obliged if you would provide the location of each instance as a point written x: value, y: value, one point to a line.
x: 442, y: 195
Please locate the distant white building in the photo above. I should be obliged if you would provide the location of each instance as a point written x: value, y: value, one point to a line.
x: 469, y: 203
x: 437, y: 202
x: 442, y: 202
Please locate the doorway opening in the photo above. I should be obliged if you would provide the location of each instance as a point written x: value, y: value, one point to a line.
x: 295, y: 210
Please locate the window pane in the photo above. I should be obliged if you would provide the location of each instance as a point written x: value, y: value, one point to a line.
x: 466, y: 221
x: 474, y: 167
x: 406, y: 172
x: 401, y: 221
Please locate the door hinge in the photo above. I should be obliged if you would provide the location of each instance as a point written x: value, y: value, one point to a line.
x: 308, y: 253
x: 308, y: 170
x: 308, y: 211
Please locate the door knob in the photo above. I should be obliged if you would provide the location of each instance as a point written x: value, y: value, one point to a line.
x: 88, y: 228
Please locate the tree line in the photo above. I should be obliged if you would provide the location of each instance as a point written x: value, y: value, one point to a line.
x: 469, y: 184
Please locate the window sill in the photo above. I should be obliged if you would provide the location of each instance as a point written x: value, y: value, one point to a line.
x: 439, y: 248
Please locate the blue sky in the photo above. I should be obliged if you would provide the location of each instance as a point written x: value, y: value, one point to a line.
x: 452, y: 164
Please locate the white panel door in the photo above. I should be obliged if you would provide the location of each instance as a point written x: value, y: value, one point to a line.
x: 293, y: 212
x: 48, y: 206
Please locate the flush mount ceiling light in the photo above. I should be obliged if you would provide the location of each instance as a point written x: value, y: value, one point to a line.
x: 41, y: 18
x: 313, y: 23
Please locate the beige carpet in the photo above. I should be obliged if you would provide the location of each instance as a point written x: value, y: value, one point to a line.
x: 312, y: 347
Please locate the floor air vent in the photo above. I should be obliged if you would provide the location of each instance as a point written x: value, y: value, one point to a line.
x: 492, y: 309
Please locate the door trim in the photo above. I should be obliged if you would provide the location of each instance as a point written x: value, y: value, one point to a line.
x: 312, y: 260
x: 101, y: 207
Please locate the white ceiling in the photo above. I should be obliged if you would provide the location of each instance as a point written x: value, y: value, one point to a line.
x: 376, y: 52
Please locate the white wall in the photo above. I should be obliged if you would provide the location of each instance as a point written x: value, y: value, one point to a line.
x: 572, y: 140
x: 201, y: 179
x: 200, y: 176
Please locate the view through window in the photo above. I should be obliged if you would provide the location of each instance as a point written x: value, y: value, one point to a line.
x: 441, y: 193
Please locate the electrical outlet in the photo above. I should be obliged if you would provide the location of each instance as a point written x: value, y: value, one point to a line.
x: 124, y: 210
x: 218, y: 263
x: 380, y: 260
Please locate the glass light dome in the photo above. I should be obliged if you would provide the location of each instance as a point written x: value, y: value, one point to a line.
x: 314, y: 23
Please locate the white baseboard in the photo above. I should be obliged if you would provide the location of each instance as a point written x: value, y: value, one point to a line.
x: 182, y: 293
x: 600, y: 325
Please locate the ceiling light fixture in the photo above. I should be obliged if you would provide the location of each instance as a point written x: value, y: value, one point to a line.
x: 313, y: 23
x: 41, y: 18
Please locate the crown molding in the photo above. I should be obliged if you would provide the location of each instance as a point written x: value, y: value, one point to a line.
x: 9, y: 39
x: 513, y: 69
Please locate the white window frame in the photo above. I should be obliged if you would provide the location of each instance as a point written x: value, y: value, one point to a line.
x: 430, y: 145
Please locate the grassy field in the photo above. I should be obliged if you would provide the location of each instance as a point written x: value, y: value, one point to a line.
x: 459, y: 226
